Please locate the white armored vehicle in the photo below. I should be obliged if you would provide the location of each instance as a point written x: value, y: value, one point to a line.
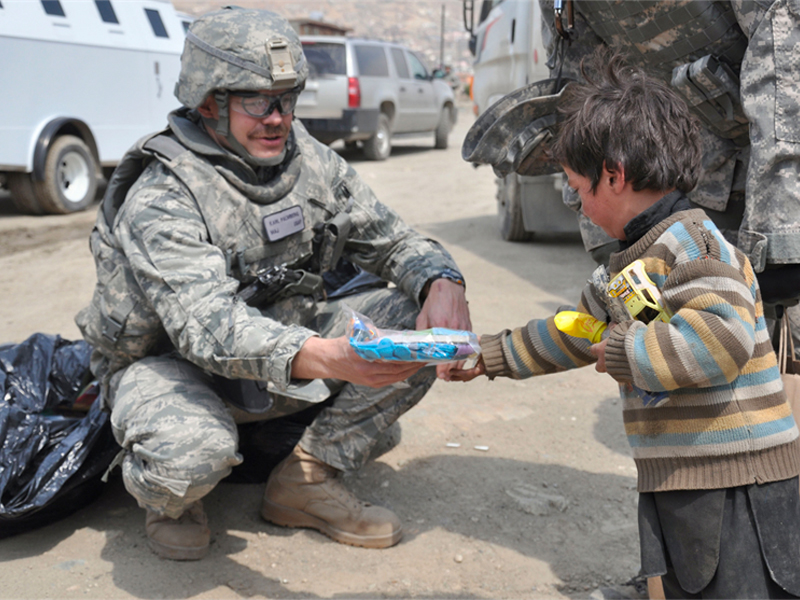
x: 82, y: 81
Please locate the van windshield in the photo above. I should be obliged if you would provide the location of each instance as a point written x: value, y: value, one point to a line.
x: 325, y: 58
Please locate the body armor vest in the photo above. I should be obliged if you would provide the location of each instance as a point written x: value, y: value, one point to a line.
x: 695, y: 45
x: 120, y: 322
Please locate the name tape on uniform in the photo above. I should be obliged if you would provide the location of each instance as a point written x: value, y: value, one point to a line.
x: 284, y: 223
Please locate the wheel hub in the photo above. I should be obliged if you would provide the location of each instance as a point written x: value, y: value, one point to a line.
x: 383, y: 140
x: 73, y: 177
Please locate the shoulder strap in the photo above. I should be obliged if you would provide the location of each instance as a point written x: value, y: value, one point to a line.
x: 132, y: 165
x: 165, y: 146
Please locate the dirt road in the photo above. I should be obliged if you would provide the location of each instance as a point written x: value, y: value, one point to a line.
x: 548, y: 511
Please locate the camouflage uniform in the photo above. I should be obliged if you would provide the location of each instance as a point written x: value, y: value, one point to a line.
x: 174, y: 243
x: 750, y: 186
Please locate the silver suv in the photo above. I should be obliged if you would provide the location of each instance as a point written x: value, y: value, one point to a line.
x: 366, y: 91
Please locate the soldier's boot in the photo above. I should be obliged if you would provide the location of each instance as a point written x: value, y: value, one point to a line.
x: 302, y: 491
x: 184, y: 538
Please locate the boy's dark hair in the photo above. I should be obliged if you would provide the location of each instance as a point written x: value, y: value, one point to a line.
x: 626, y: 119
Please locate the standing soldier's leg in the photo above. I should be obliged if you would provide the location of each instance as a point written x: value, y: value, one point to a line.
x: 304, y: 490
x: 179, y: 442
x: 794, y: 324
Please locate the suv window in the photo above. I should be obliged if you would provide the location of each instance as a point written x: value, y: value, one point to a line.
x: 371, y: 60
x: 417, y: 68
x: 400, y: 63
x: 325, y: 58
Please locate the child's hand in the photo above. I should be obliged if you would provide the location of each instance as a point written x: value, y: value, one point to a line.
x: 599, y: 350
x: 456, y: 373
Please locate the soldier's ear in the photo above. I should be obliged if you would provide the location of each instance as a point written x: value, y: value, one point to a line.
x: 209, y: 108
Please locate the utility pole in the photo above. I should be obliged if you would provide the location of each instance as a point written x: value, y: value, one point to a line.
x: 441, y: 46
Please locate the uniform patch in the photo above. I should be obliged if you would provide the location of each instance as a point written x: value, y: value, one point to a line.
x: 284, y: 223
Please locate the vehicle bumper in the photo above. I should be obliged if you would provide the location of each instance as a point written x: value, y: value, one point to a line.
x: 355, y: 124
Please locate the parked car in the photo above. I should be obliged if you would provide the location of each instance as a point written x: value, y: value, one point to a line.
x: 366, y: 91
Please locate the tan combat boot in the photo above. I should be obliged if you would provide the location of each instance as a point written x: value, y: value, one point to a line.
x: 302, y: 491
x: 184, y: 538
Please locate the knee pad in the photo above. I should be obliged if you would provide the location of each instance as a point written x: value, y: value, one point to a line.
x: 178, y: 474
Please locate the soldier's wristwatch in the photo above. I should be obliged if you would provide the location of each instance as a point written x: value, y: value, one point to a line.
x: 452, y: 275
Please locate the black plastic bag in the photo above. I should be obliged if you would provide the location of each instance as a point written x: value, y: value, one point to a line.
x: 52, y: 451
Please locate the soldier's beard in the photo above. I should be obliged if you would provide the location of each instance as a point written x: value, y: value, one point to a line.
x: 261, y: 131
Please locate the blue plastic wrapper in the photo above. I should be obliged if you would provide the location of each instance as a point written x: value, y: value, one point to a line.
x: 433, y: 346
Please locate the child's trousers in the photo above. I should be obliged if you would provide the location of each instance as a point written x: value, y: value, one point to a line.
x: 741, y: 542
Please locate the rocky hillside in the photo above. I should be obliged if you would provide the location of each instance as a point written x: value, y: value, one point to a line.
x: 415, y: 23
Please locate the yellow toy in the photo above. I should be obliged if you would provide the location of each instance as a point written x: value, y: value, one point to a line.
x: 637, y: 292
x: 582, y: 325
x: 634, y: 291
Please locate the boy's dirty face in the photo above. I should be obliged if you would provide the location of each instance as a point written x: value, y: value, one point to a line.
x: 599, y: 205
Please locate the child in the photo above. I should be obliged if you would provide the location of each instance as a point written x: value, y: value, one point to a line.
x: 718, y: 455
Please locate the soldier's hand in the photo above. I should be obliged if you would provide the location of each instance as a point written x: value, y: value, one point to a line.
x: 445, y: 306
x: 335, y: 359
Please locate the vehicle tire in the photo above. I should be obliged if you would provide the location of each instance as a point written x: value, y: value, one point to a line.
x: 70, y: 177
x: 509, y: 210
x: 443, y: 129
x: 23, y: 195
x: 379, y: 146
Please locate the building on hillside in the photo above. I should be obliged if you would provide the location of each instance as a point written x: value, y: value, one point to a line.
x: 312, y: 27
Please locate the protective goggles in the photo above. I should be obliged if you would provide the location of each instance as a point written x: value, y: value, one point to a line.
x: 259, y: 105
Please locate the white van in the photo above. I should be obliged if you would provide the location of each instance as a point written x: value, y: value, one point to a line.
x: 82, y: 81
x: 509, y: 54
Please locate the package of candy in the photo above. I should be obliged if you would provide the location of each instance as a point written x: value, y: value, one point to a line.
x: 434, y: 346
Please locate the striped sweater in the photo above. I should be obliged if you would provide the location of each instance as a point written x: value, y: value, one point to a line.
x: 726, y: 421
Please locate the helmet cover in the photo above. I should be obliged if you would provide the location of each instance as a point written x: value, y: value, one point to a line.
x: 239, y: 49
x: 513, y: 134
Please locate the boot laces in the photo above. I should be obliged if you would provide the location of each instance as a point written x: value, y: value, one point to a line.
x: 193, y: 514
x: 345, y: 496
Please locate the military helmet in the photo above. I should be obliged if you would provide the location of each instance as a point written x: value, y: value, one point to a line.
x: 513, y: 134
x: 239, y: 49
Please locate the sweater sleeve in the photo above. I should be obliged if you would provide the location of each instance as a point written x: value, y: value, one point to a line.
x: 538, y: 348
x: 710, y: 337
